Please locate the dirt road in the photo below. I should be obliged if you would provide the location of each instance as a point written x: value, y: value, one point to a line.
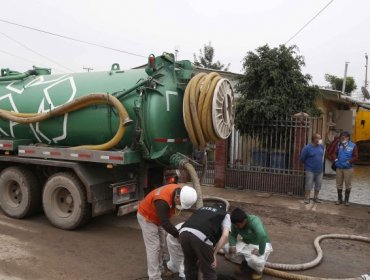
x: 111, y: 247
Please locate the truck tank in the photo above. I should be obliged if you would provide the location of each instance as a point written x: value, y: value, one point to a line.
x: 84, y: 144
x: 152, y: 96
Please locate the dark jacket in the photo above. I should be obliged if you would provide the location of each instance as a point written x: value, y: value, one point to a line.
x: 207, y: 220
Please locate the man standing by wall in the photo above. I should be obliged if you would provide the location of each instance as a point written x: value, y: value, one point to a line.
x: 312, y: 156
x: 153, y: 216
x: 344, y: 155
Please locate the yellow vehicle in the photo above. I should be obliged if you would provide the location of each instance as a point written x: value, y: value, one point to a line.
x: 361, y: 135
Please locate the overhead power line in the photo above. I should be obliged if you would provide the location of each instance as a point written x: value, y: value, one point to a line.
x: 71, y: 38
x: 304, y: 26
x: 26, y: 59
x: 31, y: 50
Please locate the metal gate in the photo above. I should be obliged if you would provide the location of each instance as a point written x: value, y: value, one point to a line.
x: 209, y: 177
x: 267, y: 157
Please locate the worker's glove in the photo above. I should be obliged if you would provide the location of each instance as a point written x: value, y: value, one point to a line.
x: 232, y: 250
x: 255, y: 252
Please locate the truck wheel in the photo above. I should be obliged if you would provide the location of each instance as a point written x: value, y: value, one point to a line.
x: 20, y: 192
x: 64, y: 201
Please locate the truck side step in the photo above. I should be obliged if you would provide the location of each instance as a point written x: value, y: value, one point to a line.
x: 111, y: 157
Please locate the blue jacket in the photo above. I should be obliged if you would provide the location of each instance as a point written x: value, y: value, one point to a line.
x: 345, y: 153
x: 312, y: 157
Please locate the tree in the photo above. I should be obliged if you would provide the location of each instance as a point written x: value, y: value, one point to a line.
x: 205, y: 59
x: 273, y: 86
x: 336, y: 83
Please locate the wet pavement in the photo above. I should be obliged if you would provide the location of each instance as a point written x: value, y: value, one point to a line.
x: 355, y: 210
x: 293, y: 226
x: 360, y: 192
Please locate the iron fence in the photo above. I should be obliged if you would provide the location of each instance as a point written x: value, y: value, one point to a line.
x: 267, y: 158
x: 264, y: 181
x: 270, y: 146
x: 209, y: 177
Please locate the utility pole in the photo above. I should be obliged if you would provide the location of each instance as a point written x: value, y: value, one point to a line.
x: 176, y: 52
x: 345, y: 78
x: 88, y: 69
x: 366, y: 71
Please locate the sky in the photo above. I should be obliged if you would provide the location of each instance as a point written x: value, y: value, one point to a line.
x: 235, y: 27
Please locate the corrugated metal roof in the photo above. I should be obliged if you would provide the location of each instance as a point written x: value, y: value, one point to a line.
x: 337, y: 96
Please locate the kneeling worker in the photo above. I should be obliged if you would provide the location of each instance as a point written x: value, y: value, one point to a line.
x: 153, y: 216
x: 255, y: 246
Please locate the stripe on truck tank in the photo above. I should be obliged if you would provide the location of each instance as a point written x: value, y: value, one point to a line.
x: 171, y: 140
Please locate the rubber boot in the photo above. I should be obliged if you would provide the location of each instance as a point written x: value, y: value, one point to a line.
x: 316, y: 197
x: 340, y: 197
x: 346, y: 197
x: 256, y: 276
x: 307, y: 197
x: 242, y: 269
x: 167, y: 273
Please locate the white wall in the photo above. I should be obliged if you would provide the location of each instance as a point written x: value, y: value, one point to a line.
x: 344, y: 120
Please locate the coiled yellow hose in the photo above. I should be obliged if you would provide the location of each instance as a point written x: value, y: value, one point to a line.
x: 293, y: 276
x: 74, y: 105
x: 198, y: 108
x: 271, y: 268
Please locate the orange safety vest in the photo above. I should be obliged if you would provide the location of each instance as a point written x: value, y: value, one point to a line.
x: 147, y: 208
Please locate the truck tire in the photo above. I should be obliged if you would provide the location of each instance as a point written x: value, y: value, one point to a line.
x: 64, y: 201
x: 20, y: 192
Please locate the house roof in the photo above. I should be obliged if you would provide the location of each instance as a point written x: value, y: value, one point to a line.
x: 338, y: 97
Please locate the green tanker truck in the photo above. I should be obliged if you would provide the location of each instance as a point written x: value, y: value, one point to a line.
x: 80, y: 145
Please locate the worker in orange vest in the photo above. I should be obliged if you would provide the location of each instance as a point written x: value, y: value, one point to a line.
x: 153, y: 216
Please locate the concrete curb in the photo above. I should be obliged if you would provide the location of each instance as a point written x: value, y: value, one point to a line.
x: 294, y: 203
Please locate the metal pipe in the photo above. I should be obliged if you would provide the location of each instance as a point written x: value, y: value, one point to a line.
x: 18, y: 76
x: 366, y: 57
x: 232, y: 145
x: 345, y: 78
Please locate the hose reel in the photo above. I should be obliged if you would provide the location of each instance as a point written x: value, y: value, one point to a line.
x: 208, y: 109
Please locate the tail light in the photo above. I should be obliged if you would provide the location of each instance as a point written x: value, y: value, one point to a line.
x: 171, y: 176
x: 124, y: 192
x: 172, y: 180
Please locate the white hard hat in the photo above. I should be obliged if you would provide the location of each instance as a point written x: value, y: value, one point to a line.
x: 188, y: 196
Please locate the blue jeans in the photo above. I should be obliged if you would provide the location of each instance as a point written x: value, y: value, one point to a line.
x: 313, y: 178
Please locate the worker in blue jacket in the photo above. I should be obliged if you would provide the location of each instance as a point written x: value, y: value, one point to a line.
x: 345, y: 155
